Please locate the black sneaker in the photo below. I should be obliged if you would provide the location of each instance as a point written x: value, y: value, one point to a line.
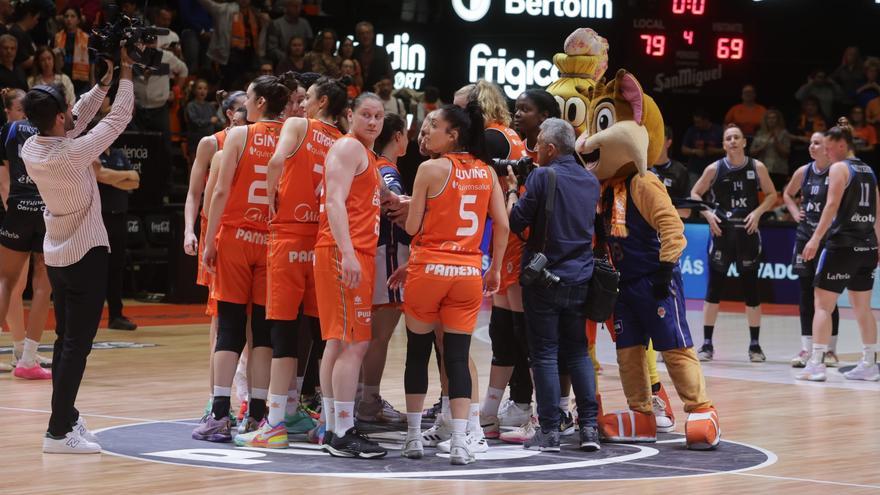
x: 433, y: 411
x: 756, y: 355
x: 122, y: 323
x: 328, y: 437
x: 589, y: 438
x: 566, y: 423
x: 354, y: 444
x: 706, y: 353
x: 545, y: 441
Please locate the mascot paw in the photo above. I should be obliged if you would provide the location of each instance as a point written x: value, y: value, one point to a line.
x: 703, y: 431
x: 663, y: 411
x: 628, y: 426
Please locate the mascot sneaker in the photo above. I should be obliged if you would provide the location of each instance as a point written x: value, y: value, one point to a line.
x: 628, y: 426
x: 702, y: 430
x: 663, y: 411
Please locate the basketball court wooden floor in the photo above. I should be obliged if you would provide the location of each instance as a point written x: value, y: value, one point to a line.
x: 780, y: 436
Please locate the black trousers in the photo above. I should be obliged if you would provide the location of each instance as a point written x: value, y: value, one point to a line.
x: 116, y: 232
x: 78, y: 291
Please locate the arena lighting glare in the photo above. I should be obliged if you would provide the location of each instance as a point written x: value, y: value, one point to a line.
x: 572, y: 9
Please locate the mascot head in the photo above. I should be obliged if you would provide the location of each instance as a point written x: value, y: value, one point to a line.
x: 625, y: 128
x: 583, y: 63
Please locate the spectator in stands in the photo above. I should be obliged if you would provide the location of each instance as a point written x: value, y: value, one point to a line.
x: 864, y: 135
x: 11, y: 75
x: 286, y: 27
x: 235, y: 40
x: 130, y: 8
x: 116, y: 179
x: 673, y: 174
x: 295, y: 59
x: 810, y: 120
x: 27, y: 15
x: 772, y: 146
x: 171, y: 41
x: 195, y: 34
x: 849, y: 74
x: 73, y: 44
x: 748, y: 114
x: 392, y: 104
x: 872, y: 112
x: 346, y: 52
x: 430, y: 101
x: 45, y: 72
x: 152, y: 93
x: 322, y: 58
x: 824, y: 89
x: 870, y: 89
x: 373, y: 59
x: 201, y: 118
x: 6, y: 12
x: 90, y: 12
x: 701, y: 144
x: 348, y: 70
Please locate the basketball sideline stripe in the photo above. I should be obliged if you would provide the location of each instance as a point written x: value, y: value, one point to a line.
x: 183, y: 421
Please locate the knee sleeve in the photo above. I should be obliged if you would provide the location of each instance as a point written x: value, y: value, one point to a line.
x: 806, y: 307
x: 318, y: 343
x: 501, y: 336
x: 260, y: 334
x: 713, y: 288
x: 750, y: 287
x: 418, y: 353
x: 285, y: 338
x: 231, y: 327
x: 456, y: 348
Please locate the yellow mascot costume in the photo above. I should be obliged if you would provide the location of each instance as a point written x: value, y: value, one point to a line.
x: 583, y: 62
x: 645, y: 237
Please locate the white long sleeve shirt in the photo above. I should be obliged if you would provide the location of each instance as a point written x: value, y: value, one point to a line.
x: 62, y: 169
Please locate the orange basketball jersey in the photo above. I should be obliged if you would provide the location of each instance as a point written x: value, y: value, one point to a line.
x: 300, y: 185
x: 362, y: 205
x: 516, y: 145
x: 455, y: 218
x: 220, y: 136
x: 248, y: 204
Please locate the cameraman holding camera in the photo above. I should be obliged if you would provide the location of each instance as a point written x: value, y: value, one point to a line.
x: 76, y: 245
x: 557, y: 266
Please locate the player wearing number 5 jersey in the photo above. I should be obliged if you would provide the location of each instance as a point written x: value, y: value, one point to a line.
x: 849, y: 259
x: 452, y: 197
x: 344, y: 265
x: 235, y: 250
x: 296, y: 172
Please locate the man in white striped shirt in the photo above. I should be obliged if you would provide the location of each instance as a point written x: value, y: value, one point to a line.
x: 76, y: 248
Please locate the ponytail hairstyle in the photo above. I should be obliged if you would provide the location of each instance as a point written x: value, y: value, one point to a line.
x: 275, y: 90
x: 10, y: 96
x: 393, y: 123
x: 842, y: 131
x: 227, y: 100
x: 336, y: 91
x: 544, y: 101
x: 492, y: 102
x: 471, y: 128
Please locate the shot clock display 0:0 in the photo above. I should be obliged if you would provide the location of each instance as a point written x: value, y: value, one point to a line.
x: 726, y: 46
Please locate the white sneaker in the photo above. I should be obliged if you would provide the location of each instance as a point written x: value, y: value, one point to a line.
x: 475, y: 441
x: 412, y: 447
x: 72, y: 443
x: 82, y: 429
x: 665, y: 424
x: 519, y: 435
x: 812, y: 372
x: 512, y: 414
x: 863, y: 371
x: 460, y: 452
x: 440, y: 432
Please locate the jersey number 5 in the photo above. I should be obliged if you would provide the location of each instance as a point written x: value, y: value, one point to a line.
x: 469, y: 216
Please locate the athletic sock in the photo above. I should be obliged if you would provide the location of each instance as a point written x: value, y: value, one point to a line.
x: 220, y: 403
x: 564, y: 403
x: 414, y: 423
x: 818, y: 355
x: 257, y: 404
x: 459, y: 428
x: 492, y: 401
x: 474, y: 418
x: 17, y: 349
x: 29, y: 353
x: 754, y: 333
x: 870, y: 353
x: 708, y: 330
x: 444, y: 406
x: 328, y: 411
x: 833, y: 345
x: 807, y: 342
x: 344, y: 417
x: 277, y: 406
x: 292, y: 402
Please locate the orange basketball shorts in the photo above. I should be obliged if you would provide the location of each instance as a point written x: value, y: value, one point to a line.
x: 450, y: 294
x: 241, y: 266
x: 346, y: 314
x: 290, y: 276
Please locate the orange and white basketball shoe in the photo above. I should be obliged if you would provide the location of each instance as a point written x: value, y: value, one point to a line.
x: 702, y: 430
x: 628, y: 426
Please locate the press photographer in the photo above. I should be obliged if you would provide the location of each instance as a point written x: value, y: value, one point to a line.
x: 76, y: 246
x: 558, y: 206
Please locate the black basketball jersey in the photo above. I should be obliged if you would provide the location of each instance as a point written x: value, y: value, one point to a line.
x: 854, y: 224
x: 675, y: 177
x: 23, y: 193
x: 814, y: 191
x: 735, y: 190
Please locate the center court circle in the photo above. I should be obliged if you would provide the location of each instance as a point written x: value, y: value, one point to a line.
x: 170, y: 442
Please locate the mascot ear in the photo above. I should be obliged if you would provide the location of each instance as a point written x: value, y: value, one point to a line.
x: 629, y: 89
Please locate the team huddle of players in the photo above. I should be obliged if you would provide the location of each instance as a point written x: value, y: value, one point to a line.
x: 296, y: 203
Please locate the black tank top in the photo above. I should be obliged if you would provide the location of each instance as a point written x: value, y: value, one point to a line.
x: 814, y: 191
x: 23, y: 193
x: 854, y: 224
x: 735, y: 190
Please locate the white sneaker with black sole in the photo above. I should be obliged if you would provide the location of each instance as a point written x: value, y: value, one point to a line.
x: 72, y: 443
